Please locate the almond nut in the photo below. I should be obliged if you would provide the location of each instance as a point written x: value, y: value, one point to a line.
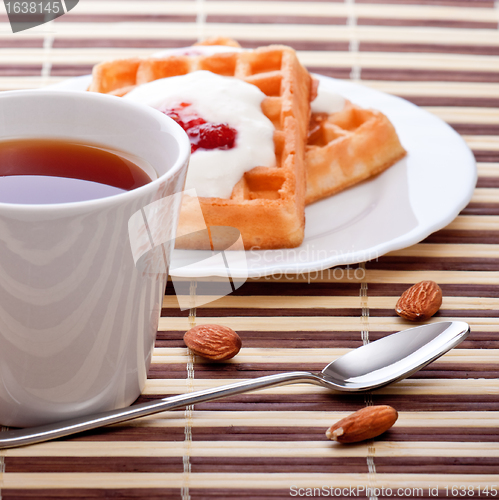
x: 363, y: 424
x: 420, y: 302
x: 214, y: 342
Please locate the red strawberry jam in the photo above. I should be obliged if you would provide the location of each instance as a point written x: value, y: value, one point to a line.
x: 202, y: 134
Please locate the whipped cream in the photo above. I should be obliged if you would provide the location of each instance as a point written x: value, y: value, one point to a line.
x: 327, y: 101
x: 217, y: 99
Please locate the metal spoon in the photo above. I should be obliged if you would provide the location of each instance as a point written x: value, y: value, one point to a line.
x: 368, y: 367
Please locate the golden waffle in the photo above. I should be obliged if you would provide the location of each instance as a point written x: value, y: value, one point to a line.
x: 348, y: 147
x: 267, y: 204
x: 343, y: 148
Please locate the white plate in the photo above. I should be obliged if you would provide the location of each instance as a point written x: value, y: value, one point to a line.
x: 419, y: 195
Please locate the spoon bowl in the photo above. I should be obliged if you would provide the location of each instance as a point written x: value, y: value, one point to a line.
x: 394, y: 357
x: 373, y: 365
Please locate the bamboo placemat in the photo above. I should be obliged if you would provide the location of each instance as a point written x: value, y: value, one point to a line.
x: 442, y: 55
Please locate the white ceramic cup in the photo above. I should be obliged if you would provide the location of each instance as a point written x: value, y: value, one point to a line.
x: 78, y: 319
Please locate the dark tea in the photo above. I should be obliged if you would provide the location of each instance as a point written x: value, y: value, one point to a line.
x: 41, y: 171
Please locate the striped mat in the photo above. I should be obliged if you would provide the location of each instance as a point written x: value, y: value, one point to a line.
x: 442, y: 55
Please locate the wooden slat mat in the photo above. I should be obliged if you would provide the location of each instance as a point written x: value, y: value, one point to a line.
x: 440, y: 54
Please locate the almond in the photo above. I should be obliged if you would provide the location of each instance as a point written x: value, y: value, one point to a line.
x: 420, y: 302
x: 214, y: 342
x: 363, y: 424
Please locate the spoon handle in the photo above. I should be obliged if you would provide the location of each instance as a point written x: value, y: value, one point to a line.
x: 31, y: 435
